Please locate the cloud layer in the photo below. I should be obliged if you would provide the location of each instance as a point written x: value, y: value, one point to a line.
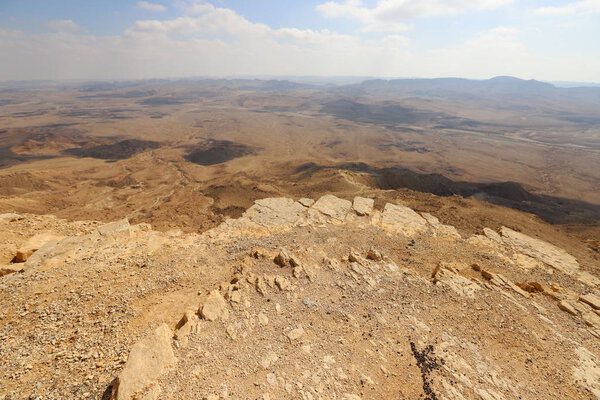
x: 392, y: 15
x: 63, y: 25
x: 151, y: 6
x: 578, y: 7
x: 206, y: 40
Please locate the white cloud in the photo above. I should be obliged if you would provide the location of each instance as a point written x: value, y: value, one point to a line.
x: 151, y: 6
x: 203, y: 19
x: 207, y: 40
x: 578, y: 7
x: 63, y: 25
x: 393, y: 15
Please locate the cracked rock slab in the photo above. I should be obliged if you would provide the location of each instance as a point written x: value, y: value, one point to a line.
x: 275, y: 212
x: 149, y: 358
x: 362, y: 205
x: 403, y: 220
x: 540, y: 250
x: 333, y: 207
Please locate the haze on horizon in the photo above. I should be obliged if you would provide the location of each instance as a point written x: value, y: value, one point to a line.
x: 479, y: 39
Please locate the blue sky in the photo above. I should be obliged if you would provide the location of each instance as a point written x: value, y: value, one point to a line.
x: 86, y: 39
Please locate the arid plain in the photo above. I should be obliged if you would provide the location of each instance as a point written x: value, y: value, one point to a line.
x: 209, y: 148
x: 183, y: 239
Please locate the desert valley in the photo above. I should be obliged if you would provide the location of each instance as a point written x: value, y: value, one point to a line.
x: 302, y: 239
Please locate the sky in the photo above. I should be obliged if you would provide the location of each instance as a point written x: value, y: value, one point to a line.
x: 129, y: 39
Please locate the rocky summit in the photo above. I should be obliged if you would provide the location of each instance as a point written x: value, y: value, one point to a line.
x: 311, y: 299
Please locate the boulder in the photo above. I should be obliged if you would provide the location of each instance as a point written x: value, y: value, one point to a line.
x: 34, y: 243
x: 148, y: 360
x: 355, y: 257
x: 403, y: 220
x: 363, y: 206
x: 456, y: 282
x: 285, y: 259
x: 187, y: 324
x: 214, y: 307
x: 333, y: 207
x: 116, y: 230
x: 374, y: 254
x: 439, y: 229
x: 282, y: 258
x: 540, y: 250
x: 282, y: 283
x: 275, y: 212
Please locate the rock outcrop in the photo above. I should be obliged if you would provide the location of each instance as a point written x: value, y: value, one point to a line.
x: 148, y: 360
x: 540, y: 250
x: 403, y: 220
x: 34, y: 243
x: 330, y: 299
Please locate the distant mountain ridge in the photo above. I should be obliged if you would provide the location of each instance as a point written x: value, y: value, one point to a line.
x: 494, y: 87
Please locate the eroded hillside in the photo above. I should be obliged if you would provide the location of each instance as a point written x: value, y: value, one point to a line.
x: 332, y: 299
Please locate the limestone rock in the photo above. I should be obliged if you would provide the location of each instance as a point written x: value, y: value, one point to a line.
x: 492, y: 235
x: 374, y: 254
x: 35, y: 243
x: 531, y: 287
x: 526, y: 262
x: 295, y: 334
x: 591, y: 300
x: 306, y: 202
x: 487, y: 274
x: 214, y: 307
x: 581, y: 308
x: 483, y: 241
x: 261, y: 286
x: 439, y: 229
x: 588, y: 279
x: 275, y: 212
x: 403, y: 220
x: 186, y: 325
x: 115, y: 230
x: 540, y: 250
x: 355, y: 257
x: 9, y: 217
x: 285, y: 259
x: 456, y: 282
x: 587, y: 371
x: 282, y: 283
x: 148, y: 359
x: 235, y: 296
x: 268, y: 359
x: 591, y: 318
x: 263, y: 319
x: 333, y: 207
x: 363, y: 205
x: 7, y: 271
x: 566, y: 306
x: 502, y: 282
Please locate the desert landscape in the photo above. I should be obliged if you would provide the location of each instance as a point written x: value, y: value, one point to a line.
x: 93, y: 149
x: 299, y: 200
x: 273, y: 239
x: 182, y: 161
